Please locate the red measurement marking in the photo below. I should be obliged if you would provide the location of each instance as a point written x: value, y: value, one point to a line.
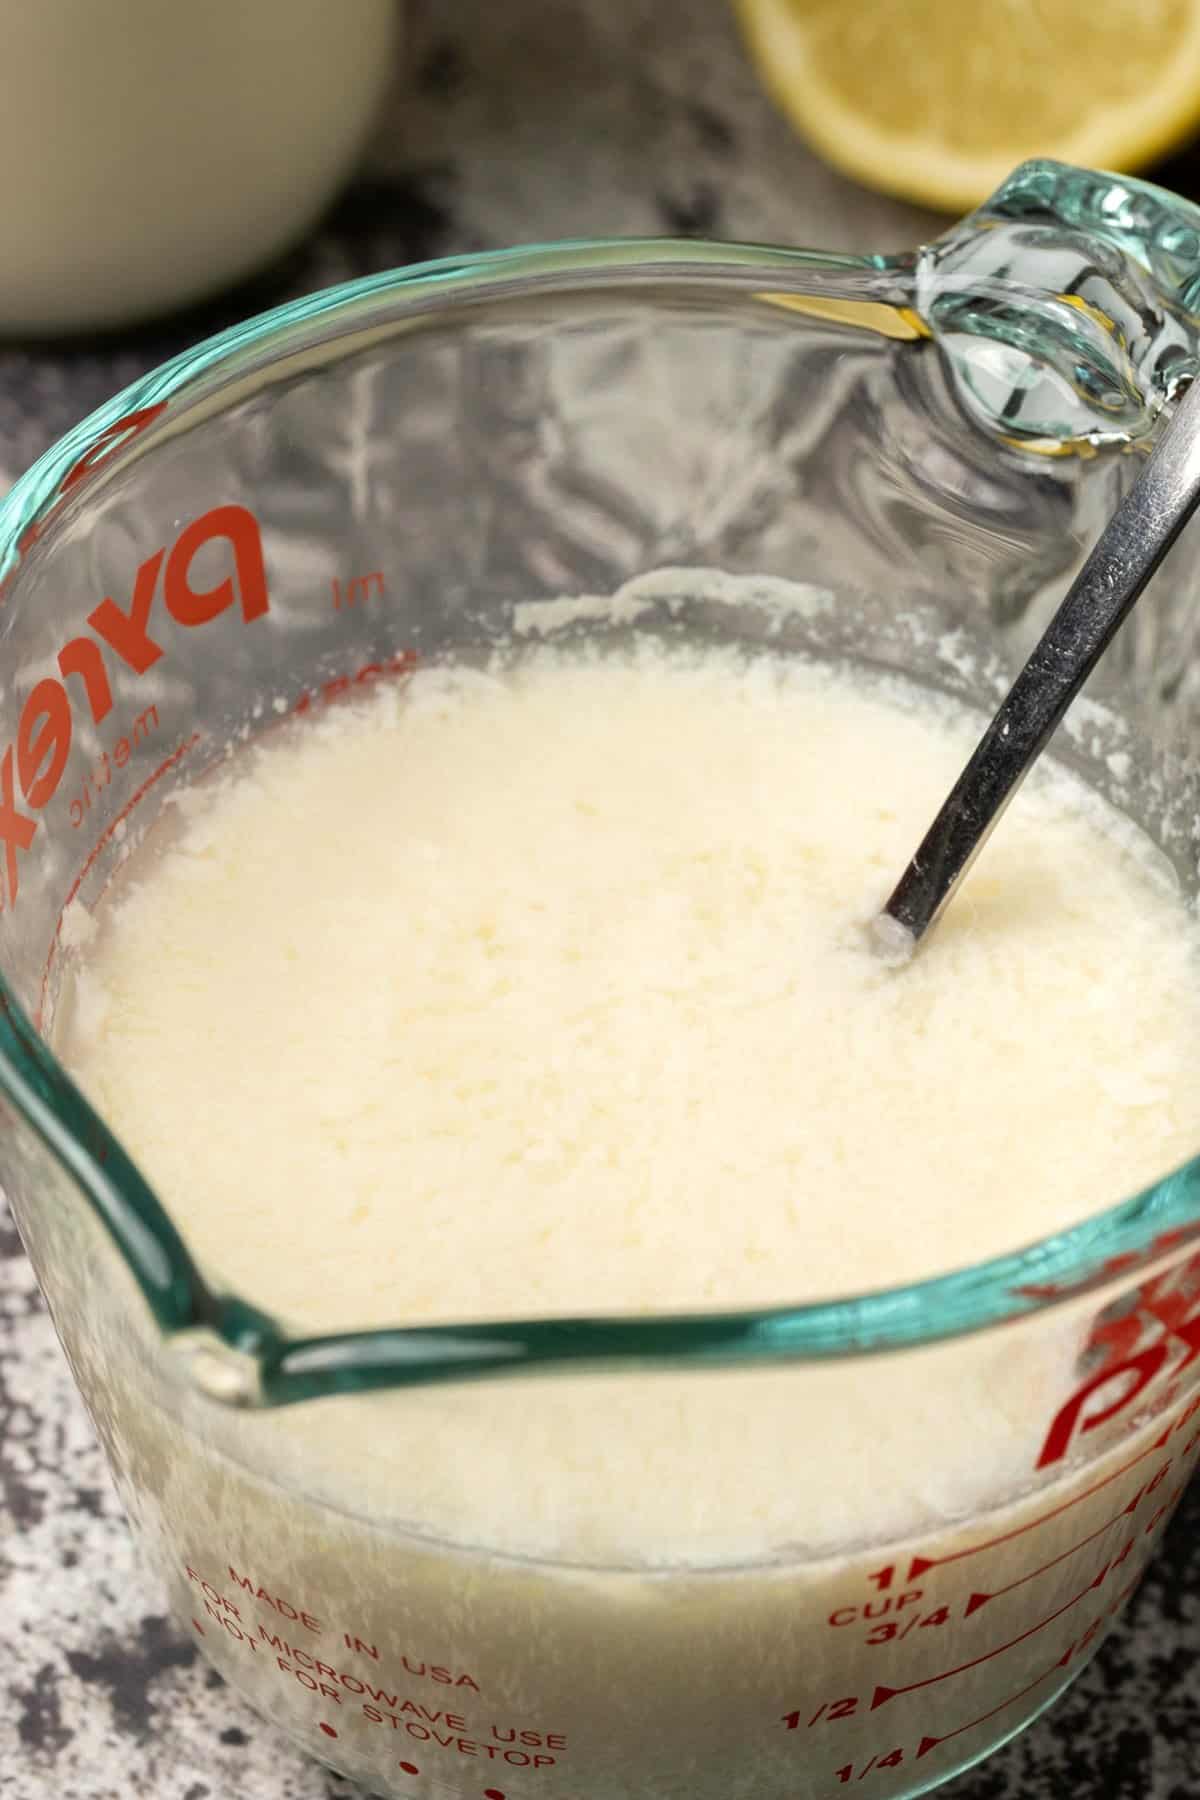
x: 1116, y: 1605
x: 980, y: 1599
x: 883, y: 1694
x: 1171, y: 1500
x: 114, y: 438
x: 493, y: 1794
x: 328, y: 1729
x: 199, y: 1626
x: 868, y: 1767
x: 837, y: 1709
x: 920, y: 1564
x: 357, y: 588
x: 338, y: 687
x: 931, y: 1743
x: 410, y: 1768
x: 140, y: 794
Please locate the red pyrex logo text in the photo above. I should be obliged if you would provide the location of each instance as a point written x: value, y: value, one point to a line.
x: 1159, y: 1329
x: 33, y: 763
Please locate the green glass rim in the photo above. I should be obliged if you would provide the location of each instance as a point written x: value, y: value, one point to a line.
x: 1129, y: 1241
x: 356, y: 306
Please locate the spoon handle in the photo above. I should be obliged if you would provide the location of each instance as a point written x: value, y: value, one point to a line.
x: 1125, y: 556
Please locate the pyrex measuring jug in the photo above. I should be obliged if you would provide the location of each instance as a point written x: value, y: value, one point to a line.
x: 365, y: 1533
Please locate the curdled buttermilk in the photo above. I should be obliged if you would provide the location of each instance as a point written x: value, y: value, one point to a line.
x: 545, y: 989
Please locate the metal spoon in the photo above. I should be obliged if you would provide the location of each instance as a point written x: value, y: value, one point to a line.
x: 1125, y: 556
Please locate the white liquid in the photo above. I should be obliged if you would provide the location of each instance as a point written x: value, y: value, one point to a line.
x: 549, y: 992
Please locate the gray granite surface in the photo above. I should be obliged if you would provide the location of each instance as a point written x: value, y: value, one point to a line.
x: 535, y: 120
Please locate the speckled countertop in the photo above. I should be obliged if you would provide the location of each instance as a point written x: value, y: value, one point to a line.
x: 528, y: 121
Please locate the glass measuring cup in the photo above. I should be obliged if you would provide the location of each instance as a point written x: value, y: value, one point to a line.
x: 365, y: 1534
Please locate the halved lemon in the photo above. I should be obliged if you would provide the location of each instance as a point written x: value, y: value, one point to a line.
x: 937, y: 100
